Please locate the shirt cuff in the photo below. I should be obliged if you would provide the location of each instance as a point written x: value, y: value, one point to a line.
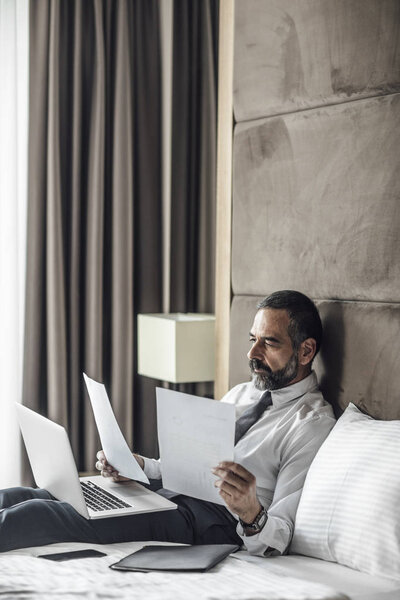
x: 274, y: 538
x: 152, y: 467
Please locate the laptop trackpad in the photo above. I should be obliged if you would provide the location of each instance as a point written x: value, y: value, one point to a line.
x: 125, y: 489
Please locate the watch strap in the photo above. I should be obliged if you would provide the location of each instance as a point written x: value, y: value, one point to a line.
x: 257, y: 525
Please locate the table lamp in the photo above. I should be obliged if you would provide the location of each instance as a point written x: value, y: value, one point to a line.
x: 176, y: 347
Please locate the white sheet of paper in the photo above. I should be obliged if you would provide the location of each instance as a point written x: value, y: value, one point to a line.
x: 113, y: 442
x: 194, y: 435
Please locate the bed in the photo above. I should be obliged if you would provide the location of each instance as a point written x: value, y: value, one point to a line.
x: 239, y: 577
x: 346, y: 542
x: 314, y: 207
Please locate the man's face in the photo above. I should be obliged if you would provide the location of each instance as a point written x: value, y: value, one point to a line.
x: 273, y: 362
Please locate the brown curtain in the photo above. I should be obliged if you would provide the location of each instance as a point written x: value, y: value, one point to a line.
x: 94, y: 213
x: 193, y: 176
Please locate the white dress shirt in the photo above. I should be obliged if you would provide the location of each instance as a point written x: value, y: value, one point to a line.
x: 278, y: 449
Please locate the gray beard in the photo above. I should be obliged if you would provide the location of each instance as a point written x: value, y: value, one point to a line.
x: 274, y: 380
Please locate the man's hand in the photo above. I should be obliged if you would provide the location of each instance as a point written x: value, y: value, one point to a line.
x: 107, y: 470
x: 237, y: 486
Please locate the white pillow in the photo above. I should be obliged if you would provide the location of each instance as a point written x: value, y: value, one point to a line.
x: 349, y: 511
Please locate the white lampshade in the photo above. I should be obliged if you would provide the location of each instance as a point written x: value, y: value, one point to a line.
x: 176, y: 347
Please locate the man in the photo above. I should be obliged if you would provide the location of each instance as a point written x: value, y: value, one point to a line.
x: 282, y: 421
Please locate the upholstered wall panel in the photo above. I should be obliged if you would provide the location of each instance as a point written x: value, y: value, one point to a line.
x: 316, y: 185
x: 296, y: 54
x: 360, y: 356
x: 243, y: 309
x: 316, y: 202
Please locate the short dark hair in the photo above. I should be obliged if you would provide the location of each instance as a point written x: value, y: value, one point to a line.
x: 305, y: 321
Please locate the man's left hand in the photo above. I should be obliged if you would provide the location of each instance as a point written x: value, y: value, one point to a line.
x: 237, y: 486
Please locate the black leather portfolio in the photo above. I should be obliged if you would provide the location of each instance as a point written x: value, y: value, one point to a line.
x: 175, y: 558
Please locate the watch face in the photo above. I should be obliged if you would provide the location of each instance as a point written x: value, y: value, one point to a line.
x: 262, y: 519
x: 258, y: 522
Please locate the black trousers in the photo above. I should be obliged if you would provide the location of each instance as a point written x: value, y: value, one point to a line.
x: 33, y: 517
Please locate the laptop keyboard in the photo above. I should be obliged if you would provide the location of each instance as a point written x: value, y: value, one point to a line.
x: 99, y: 499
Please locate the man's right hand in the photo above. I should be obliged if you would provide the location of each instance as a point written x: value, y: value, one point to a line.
x: 107, y: 470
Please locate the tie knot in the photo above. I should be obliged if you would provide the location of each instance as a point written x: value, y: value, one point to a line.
x: 266, y: 398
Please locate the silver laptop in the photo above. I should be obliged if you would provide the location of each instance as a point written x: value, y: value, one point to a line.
x: 54, y: 469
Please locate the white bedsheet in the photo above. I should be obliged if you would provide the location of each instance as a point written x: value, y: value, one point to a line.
x: 354, y: 584
x: 23, y: 576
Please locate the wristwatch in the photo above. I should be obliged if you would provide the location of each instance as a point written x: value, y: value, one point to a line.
x: 256, y: 525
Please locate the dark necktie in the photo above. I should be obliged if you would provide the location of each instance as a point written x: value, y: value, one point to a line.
x: 251, y: 415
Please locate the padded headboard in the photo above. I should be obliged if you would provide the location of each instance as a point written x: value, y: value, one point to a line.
x: 316, y: 184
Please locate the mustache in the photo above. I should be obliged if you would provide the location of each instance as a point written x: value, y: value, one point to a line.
x: 254, y: 364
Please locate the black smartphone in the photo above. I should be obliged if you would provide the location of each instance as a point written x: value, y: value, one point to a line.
x: 89, y: 553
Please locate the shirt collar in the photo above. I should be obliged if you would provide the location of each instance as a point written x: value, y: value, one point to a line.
x: 292, y: 392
